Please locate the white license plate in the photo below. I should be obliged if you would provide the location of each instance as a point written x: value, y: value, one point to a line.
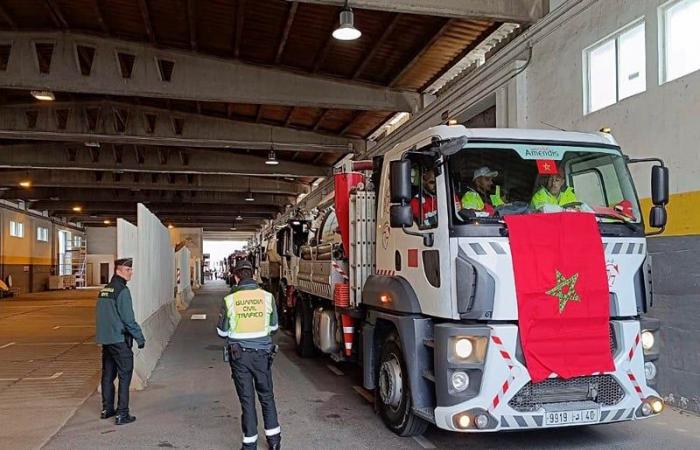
x: 556, y: 418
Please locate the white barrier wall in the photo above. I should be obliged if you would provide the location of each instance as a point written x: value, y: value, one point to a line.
x: 152, y: 287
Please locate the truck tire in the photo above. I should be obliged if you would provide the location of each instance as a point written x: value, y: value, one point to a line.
x: 303, y: 333
x: 393, y: 394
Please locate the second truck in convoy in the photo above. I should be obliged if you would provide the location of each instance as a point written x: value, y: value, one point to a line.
x: 429, y: 307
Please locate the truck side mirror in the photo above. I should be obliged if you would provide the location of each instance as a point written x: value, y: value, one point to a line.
x: 400, y: 216
x: 400, y: 181
x: 657, y: 217
x: 659, y: 186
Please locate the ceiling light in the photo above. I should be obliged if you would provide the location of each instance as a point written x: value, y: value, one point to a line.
x: 92, y: 144
x: 170, y: 227
x: 249, y: 197
x: 43, y: 95
x: 107, y: 222
x: 239, y: 217
x: 347, y: 31
x: 77, y: 208
x: 271, y: 159
x: 25, y: 184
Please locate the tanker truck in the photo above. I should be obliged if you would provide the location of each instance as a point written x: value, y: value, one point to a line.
x: 481, y: 319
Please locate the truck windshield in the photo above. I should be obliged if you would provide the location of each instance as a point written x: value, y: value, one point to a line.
x: 490, y: 181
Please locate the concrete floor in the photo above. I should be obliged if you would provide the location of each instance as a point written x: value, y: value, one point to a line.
x: 49, y: 363
x: 190, y: 403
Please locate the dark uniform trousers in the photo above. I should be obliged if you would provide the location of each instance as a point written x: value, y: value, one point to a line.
x: 117, y: 361
x: 251, y: 371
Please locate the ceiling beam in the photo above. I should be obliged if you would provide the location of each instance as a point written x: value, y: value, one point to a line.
x: 203, y: 209
x: 7, y: 17
x: 238, y: 34
x: 195, y: 77
x: 56, y: 14
x: 135, y: 181
x: 146, y: 16
x: 521, y: 11
x: 285, y: 34
x: 108, y: 196
x: 126, y: 123
x: 101, y: 17
x: 420, y: 52
x: 323, y: 115
x: 377, y: 45
x: 347, y: 127
x: 147, y: 159
x: 192, y: 22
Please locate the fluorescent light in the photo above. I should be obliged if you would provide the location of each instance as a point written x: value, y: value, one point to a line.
x: 249, y: 197
x: 318, y: 181
x: 107, y: 222
x: 46, y: 96
x: 25, y: 184
x: 347, y: 31
x: 271, y: 159
x: 77, y: 208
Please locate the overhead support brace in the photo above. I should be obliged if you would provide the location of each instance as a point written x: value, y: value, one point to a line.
x: 172, y: 74
x: 126, y: 123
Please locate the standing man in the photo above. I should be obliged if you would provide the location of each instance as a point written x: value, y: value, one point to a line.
x: 116, y: 330
x: 247, y: 319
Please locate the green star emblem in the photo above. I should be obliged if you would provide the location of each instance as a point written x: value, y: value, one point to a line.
x: 565, y: 290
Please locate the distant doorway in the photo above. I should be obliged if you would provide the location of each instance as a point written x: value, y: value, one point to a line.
x: 104, y: 273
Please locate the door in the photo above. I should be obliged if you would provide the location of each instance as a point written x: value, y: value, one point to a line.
x: 104, y: 273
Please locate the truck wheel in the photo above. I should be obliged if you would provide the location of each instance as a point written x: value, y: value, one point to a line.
x: 393, y: 395
x: 303, y: 337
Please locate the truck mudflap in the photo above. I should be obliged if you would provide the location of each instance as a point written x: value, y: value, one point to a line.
x: 508, y: 400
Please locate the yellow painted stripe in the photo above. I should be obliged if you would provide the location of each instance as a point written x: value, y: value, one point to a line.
x: 26, y: 260
x: 683, y: 213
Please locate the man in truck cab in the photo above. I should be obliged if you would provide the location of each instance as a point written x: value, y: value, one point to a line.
x: 425, y: 200
x: 478, y: 197
x: 551, y: 192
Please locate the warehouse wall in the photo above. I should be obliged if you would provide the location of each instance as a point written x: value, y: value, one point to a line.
x: 152, y: 286
x: 101, y: 240
x: 28, y: 260
x: 662, y: 121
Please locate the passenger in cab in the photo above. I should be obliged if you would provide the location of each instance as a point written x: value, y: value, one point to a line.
x: 478, y: 197
x: 553, y: 192
x: 428, y: 200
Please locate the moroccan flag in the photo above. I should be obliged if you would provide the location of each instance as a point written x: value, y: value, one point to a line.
x: 546, y: 167
x: 562, y: 292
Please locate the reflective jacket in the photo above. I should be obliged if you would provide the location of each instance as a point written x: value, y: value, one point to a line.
x: 114, y: 314
x: 544, y: 197
x: 248, y: 316
x: 479, y: 202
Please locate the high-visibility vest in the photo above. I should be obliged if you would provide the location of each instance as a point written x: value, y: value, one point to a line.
x: 249, y: 313
x: 544, y: 197
x: 472, y: 200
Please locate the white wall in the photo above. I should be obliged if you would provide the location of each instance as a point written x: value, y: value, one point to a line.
x: 93, y: 264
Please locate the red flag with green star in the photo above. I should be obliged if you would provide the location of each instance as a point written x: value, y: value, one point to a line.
x: 562, y: 292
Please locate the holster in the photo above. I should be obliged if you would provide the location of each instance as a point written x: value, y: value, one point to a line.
x: 234, y: 351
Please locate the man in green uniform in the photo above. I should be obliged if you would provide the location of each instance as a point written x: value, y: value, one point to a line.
x: 552, y: 194
x: 116, y: 330
x: 247, y: 319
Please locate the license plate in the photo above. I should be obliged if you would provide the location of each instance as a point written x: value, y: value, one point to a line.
x: 556, y: 418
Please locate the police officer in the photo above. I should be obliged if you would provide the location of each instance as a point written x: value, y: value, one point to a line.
x: 247, y: 319
x: 116, y: 330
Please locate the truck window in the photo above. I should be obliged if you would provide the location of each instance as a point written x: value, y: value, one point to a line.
x: 329, y: 231
x: 424, y: 202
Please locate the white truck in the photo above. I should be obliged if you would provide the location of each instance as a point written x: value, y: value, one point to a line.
x: 429, y: 308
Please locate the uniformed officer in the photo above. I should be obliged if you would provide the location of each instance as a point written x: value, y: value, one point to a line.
x: 116, y: 330
x: 247, y: 319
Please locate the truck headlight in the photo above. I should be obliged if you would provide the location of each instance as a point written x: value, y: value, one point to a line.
x: 648, y: 340
x: 464, y: 348
x: 460, y: 380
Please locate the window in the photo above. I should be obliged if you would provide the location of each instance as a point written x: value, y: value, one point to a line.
x: 42, y: 234
x: 680, y: 38
x: 615, y: 68
x: 16, y: 229
x: 424, y: 204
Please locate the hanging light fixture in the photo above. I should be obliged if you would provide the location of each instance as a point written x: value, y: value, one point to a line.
x: 239, y: 217
x: 249, y: 197
x: 271, y: 159
x: 346, y: 31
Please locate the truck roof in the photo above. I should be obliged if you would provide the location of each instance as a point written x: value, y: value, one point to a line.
x: 499, y: 134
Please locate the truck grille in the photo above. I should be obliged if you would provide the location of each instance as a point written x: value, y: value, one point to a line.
x: 602, y: 389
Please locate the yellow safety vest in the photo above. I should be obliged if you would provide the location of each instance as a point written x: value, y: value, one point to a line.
x: 472, y: 200
x: 544, y: 197
x: 249, y: 313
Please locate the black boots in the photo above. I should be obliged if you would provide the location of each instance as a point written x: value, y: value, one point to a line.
x: 106, y: 414
x: 123, y: 419
x: 276, y: 446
